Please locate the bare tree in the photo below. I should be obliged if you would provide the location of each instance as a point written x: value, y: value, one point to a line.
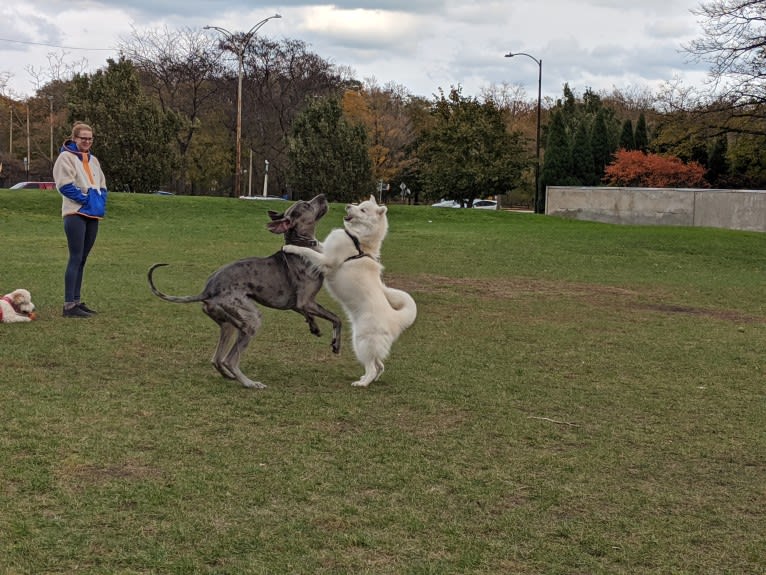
x: 281, y: 79
x: 59, y: 70
x: 733, y: 42
x: 178, y: 67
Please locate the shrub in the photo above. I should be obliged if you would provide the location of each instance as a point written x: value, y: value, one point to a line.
x: 637, y: 169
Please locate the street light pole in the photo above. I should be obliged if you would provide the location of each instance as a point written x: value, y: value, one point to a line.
x: 266, y: 179
x: 28, y: 157
x: 238, y: 43
x: 539, y: 197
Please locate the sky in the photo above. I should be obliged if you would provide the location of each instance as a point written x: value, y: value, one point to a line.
x: 422, y: 45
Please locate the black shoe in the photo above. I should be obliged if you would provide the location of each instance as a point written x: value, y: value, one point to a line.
x: 85, y: 308
x: 75, y: 312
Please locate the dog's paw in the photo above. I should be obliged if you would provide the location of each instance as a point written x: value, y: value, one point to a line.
x: 250, y: 384
x: 291, y: 249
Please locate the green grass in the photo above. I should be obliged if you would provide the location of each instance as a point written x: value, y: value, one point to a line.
x: 573, y: 398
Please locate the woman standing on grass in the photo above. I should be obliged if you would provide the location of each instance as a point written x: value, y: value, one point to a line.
x: 82, y: 185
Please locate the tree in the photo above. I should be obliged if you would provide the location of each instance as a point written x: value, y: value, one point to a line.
x: 465, y: 151
x: 636, y: 169
x: 557, y: 165
x: 641, y: 139
x: 384, y: 112
x: 176, y: 67
x: 733, y: 42
x: 718, y: 163
x: 280, y: 77
x: 132, y: 133
x: 600, y: 146
x: 328, y: 155
x: 627, y: 138
x: 582, y: 157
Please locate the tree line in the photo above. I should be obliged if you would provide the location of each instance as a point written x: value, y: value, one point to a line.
x: 165, y: 116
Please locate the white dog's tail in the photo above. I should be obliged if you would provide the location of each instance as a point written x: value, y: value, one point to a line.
x: 404, y: 306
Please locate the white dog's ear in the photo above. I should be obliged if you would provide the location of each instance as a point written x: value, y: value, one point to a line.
x: 382, y: 210
x: 372, y: 199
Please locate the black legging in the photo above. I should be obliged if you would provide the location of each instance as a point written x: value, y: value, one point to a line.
x: 81, y: 234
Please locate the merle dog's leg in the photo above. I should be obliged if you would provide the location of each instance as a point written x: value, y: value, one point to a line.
x: 246, y: 317
x: 313, y: 309
x: 313, y: 327
x: 225, y: 341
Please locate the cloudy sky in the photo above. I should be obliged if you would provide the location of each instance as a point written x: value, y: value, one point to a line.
x: 422, y: 45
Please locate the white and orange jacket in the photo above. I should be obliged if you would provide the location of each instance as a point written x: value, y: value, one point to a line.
x: 81, y: 182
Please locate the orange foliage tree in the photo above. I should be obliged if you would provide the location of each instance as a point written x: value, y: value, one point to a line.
x: 639, y: 170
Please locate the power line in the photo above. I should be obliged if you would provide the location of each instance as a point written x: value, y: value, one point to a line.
x: 55, y: 46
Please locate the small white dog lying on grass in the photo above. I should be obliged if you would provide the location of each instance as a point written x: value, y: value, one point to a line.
x: 17, y: 307
x: 349, y: 260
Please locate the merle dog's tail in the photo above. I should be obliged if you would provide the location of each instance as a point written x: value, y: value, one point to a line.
x: 172, y: 298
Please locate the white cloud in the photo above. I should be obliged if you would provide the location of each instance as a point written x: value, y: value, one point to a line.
x: 420, y: 44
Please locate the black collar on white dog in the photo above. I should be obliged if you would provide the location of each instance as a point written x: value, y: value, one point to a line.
x: 358, y: 246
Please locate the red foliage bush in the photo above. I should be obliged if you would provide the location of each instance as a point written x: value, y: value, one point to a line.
x: 639, y: 170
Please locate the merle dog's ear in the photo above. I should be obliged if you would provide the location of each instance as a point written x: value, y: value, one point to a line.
x: 279, y: 226
x: 276, y: 215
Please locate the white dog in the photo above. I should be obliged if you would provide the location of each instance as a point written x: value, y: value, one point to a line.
x: 349, y: 260
x: 17, y: 307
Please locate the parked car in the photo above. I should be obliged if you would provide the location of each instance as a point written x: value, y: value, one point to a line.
x: 485, y: 204
x: 480, y: 204
x: 262, y: 198
x: 446, y: 204
x: 34, y: 186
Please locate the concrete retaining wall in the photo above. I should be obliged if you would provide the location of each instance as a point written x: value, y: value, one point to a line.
x: 732, y: 209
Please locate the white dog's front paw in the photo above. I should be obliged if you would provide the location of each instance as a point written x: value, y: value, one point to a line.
x: 291, y: 249
x: 360, y: 383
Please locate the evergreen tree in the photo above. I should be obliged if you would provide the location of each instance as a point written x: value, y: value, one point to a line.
x: 557, y: 164
x: 582, y: 157
x: 602, y: 153
x: 466, y: 151
x: 133, y: 136
x: 627, y: 139
x: 641, y: 139
x: 328, y: 155
x: 718, y: 163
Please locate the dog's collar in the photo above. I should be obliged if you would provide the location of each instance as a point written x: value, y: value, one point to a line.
x: 358, y: 246
x: 303, y: 242
x: 11, y: 303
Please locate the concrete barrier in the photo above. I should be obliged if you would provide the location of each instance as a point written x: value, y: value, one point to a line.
x: 732, y: 209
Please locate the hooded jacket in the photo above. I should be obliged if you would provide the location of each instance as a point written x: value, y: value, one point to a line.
x: 80, y: 181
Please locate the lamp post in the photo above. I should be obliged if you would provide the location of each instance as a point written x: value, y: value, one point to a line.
x: 250, y: 176
x: 539, y: 198
x: 266, y: 179
x: 28, y: 157
x: 238, y: 43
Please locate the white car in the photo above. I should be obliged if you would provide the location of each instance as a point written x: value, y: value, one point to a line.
x: 485, y: 204
x: 34, y: 186
x: 446, y: 204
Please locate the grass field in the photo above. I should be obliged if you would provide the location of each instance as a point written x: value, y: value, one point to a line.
x: 574, y: 398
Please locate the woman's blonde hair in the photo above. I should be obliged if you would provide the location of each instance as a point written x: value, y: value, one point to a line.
x: 79, y: 127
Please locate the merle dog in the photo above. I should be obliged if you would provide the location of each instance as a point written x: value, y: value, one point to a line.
x: 280, y: 281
